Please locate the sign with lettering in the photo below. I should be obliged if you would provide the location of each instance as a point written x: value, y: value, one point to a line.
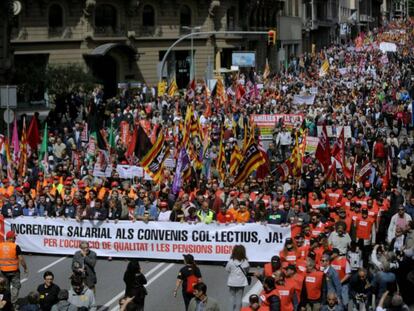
x: 162, y: 240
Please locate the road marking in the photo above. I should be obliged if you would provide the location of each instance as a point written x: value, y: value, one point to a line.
x: 121, y: 294
x: 52, y: 264
x: 150, y: 281
x: 255, y: 289
x: 24, y: 280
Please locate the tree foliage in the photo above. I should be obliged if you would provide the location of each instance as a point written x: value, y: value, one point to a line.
x: 65, y: 79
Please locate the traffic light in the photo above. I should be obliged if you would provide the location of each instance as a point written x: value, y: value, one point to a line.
x: 271, y: 37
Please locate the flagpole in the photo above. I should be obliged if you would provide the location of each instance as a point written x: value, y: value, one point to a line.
x: 353, y: 173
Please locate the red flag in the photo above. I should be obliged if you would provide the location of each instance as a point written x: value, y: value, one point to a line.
x: 131, y: 146
x: 364, y: 171
x: 33, y: 136
x: 284, y: 170
x: 387, y: 176
x: 331, y: 175
x: 23, y: 151
x: 323, y: 151
x: 240, y: 91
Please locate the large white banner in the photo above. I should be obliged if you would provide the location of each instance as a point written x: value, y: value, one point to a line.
x: 157, y: 240
x: 303, y: 99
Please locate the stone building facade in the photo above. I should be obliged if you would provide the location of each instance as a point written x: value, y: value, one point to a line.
x: 125, y: 40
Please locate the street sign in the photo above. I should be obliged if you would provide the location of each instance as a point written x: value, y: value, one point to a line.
x: 8, y: 116
x: 8, y: 94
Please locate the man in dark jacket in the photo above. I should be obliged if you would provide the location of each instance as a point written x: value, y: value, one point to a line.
x: 83, y: 264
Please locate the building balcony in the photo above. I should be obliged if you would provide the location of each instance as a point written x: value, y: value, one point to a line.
x: 109, y: 31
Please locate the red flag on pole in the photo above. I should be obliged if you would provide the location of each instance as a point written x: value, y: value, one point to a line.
x: 33, y: 136
x: 323, y: 151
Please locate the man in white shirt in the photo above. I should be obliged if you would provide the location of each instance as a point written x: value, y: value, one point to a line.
x: 284, y: 140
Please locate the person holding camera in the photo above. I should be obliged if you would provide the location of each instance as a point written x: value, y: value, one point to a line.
x: 238, y: 269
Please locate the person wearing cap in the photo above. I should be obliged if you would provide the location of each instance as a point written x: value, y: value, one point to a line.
x: 294, y: 279
x: 238, y: 269
x: 187, y: 277
x: 254, y: 304
x: 11, y: 259
x: 289, y: 254
x: 63, y: 303
x: 365, y: 233
x: 164, y: 213
x: 272, y: 266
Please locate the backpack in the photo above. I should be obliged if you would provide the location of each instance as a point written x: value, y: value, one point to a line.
x: 191, y: 281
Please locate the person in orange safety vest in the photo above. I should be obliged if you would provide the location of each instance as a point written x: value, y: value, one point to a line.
x: 10, y: 259
x: 269, y: 298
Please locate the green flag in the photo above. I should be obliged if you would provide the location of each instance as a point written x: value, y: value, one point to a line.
x: 111, y: 138
x: 43, y: 156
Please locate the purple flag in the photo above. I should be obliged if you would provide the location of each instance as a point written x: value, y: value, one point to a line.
x: 182, y: 163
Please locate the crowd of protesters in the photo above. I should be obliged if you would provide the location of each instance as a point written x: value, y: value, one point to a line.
x: 352, y: 238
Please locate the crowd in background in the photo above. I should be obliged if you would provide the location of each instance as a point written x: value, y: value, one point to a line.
x: 357, y: 229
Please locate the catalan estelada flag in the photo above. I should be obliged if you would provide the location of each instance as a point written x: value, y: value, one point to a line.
x: 235, y: 159
x: 153, y: 161
x: 252, y: 159
x: 221, y: 158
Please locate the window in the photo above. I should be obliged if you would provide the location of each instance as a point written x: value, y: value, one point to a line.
x: 105, y: 16
x: 55, y: 16
x: 148, y: 16
x: 231, y: 18
x: 185, y: 16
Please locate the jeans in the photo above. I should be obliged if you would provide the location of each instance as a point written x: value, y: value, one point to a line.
x: 236, y: 297
x: 345, y: 294
x: 381, y: 280
x: 187, y: 298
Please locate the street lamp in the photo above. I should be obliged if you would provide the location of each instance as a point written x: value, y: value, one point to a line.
x: 192, y: 67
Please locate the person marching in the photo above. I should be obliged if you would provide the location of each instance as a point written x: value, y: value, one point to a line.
x: 10, y: 259
x: 188, y: 276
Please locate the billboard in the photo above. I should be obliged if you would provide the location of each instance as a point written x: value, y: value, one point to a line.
x: 243, y: 59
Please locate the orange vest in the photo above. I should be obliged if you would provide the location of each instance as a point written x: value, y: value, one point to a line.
x: 246, y: 309
x: 264, y: 298
x: 296, y: 282
x: 289, y: 258
x: 333, y: 197
x: 8, y: 257
x: 268, y: 271
x: 339, y: 264
x: 285, y: 293
x: 313, y: 284
x: 363, y: 228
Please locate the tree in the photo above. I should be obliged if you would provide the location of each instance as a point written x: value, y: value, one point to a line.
x: 62, y: 80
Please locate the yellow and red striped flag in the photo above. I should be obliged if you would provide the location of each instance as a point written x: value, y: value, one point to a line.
x: 23, y: 151
x: 153, y: 161
x: 235, y: 159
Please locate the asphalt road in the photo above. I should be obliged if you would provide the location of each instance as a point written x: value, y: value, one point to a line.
x: 110, y: 288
